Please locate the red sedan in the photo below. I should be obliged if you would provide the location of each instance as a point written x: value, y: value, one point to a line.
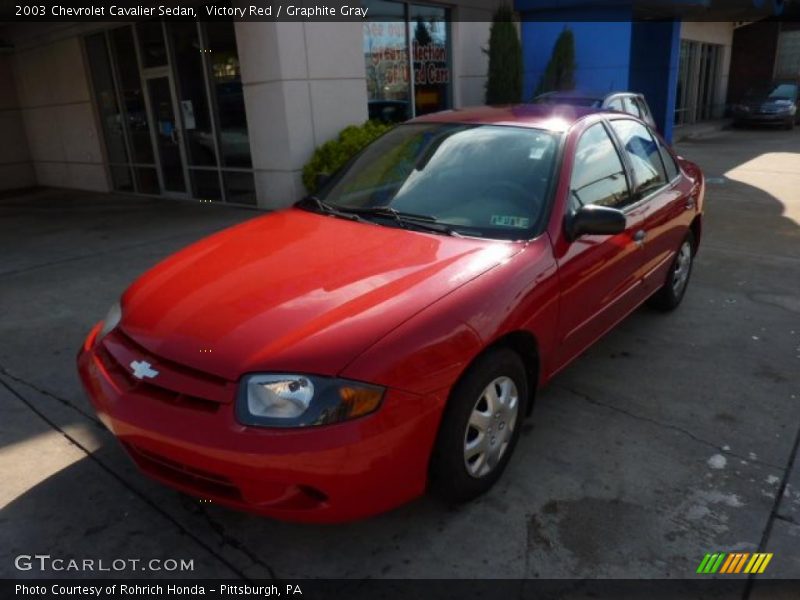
x: 336, y: 359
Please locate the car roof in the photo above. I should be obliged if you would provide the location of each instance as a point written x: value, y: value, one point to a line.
x: 554, y: 117
x: 595, y: 95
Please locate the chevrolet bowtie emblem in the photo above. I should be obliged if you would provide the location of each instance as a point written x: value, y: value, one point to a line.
x: 142, y: 369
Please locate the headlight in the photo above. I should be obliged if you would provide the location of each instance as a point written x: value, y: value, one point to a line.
x: 286, y: 400
x: 111, y: 320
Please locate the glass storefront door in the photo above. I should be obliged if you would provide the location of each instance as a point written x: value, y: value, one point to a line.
x: 698, y: 82
x: 167, y: 135
x: 169, y: 98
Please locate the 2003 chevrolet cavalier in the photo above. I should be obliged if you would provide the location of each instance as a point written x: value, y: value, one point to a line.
x: 332, y: 360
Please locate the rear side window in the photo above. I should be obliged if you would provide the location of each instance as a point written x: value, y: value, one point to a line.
x: 643, y: 108
x: 598, y: 176
x: 616, y: 104
x: 669, y: 161
x: 632, y: 107
x: 643, y: 155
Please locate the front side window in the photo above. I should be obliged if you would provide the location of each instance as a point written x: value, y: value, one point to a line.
x: 479, y: 180
x: 643, y: 155
x: 598, y: 176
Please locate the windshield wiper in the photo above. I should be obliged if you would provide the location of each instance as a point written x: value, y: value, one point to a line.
x: 323, y: 207
x: 405, y: 219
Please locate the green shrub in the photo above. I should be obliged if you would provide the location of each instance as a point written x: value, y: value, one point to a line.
x: 559, y: 75
x: 504, y: 82
x: 334, y: 154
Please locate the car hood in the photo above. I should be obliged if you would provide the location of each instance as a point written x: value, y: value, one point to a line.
x: 295, y: 290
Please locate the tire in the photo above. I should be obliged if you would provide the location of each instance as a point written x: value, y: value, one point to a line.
x: 674, y: 288
x: 473, y: 447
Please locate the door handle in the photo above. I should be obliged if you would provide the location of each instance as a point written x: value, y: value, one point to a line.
x: 639, y: 237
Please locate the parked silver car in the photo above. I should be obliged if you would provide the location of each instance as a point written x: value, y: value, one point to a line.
x: 628, y: 102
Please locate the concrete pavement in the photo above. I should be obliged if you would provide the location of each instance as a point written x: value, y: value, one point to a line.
x: 676, y: 435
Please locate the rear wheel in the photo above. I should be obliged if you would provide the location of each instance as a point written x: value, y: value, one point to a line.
x: 480, y: 426
x: 674, y: 288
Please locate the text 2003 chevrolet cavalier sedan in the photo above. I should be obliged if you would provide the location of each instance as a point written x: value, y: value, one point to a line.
x: 333, y: 360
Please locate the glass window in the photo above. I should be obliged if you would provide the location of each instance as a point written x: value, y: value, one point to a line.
x: 643, y: 154
x: 151, y: 44
x: 393, y: 30
x: 103, y: 80
x: 193, y: 105
x: 428, y: 32
x: 226, y: 81
x: 643, y: 109
x: 598, y: 176
x: 484, y: 180
x: 205, y: 184
x: 239, y: 187
x: 386, y: 60
x: 669, y: 161
x: 632, y: 107
x: 147, y: 181
x: 121, y: 178
x: 616, y: 104
x: 132, y: 97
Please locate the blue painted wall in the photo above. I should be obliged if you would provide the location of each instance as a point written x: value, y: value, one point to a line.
x: 612, y: 51
x: 602, y: 48
x: 602, y: 53
x: 655, y: 51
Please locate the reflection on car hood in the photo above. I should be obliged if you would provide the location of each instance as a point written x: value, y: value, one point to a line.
x: 295, y: 290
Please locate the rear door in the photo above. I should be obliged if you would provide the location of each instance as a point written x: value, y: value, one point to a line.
x: 658, y: 197
x: 600, y: 275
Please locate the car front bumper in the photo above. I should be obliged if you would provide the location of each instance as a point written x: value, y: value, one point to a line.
x: 330, y: 473
x: 763, y: 117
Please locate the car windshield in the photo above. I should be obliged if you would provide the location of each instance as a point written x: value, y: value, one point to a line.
x: 774, y: 91
x: 477, y: 180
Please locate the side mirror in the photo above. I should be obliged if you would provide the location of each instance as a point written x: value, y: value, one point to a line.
x: 594, y: 220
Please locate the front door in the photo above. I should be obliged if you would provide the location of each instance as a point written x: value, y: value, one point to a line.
x: 600, y: 274
x: 166, y: 133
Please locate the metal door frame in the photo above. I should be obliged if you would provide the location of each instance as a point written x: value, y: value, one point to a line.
x: 146, y: 75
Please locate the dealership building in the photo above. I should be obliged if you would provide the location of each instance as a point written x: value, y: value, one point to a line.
x: 230, y: 111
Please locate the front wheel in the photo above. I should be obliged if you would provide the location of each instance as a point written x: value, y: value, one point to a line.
x: 480, y: 426
x: 673, y: 290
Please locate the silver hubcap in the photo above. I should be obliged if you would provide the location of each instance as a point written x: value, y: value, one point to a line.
x: 490, y: 426
x: 683, y: 264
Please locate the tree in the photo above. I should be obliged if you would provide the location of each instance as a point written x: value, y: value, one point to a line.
x: 421, y: 33
x: 504, y: 84
x: 559, y: 75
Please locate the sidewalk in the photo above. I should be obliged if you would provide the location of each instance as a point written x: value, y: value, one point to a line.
x: 682, y: 133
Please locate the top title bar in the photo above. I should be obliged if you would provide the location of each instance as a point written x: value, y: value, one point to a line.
x: 373, y: 10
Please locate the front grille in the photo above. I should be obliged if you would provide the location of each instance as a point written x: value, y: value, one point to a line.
x: 115, y: 354
x: 202, y: 483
